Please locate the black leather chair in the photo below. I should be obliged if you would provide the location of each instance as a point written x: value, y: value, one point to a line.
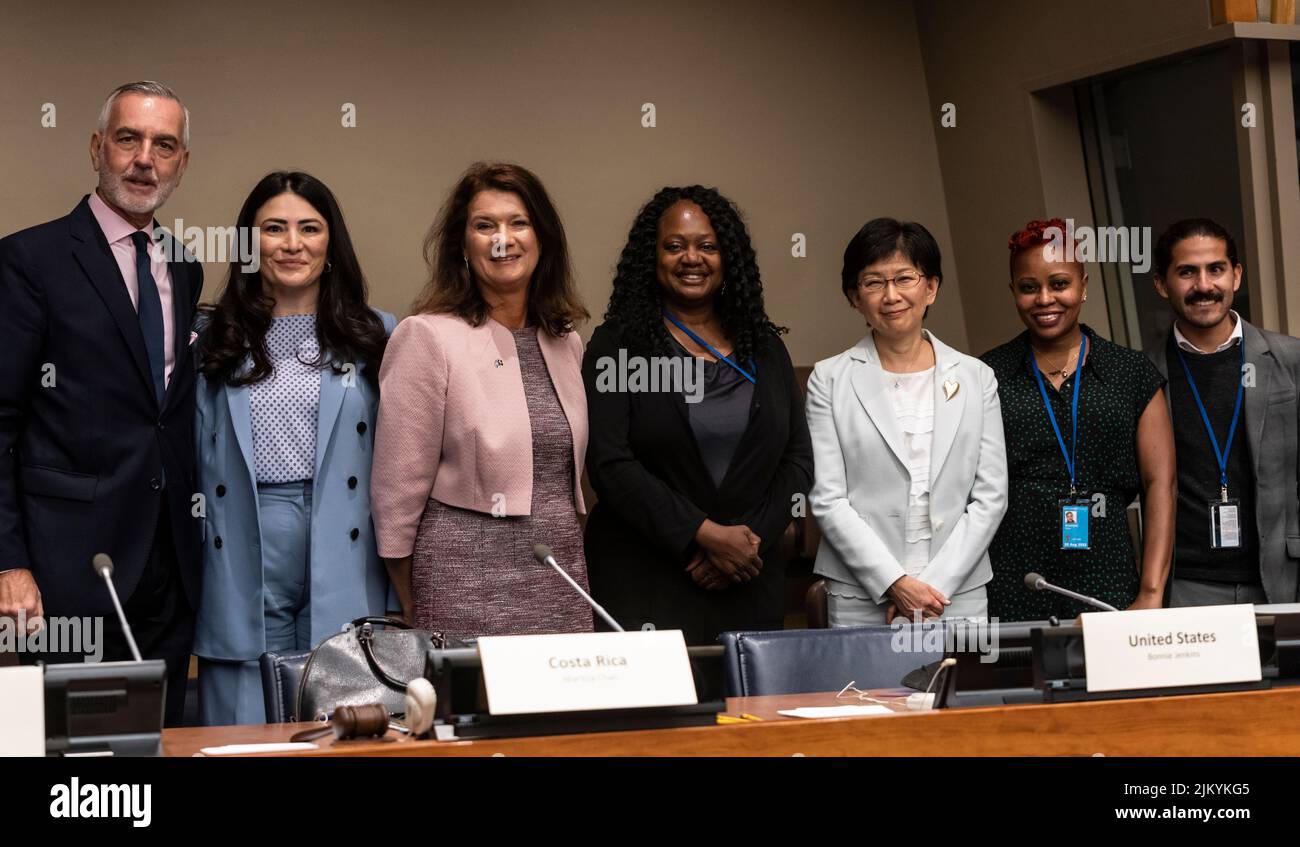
x: 800, y: 661
x: 281, y: 674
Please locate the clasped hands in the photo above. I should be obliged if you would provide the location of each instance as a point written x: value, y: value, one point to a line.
x: 910, y: 596
x: 727, y: 555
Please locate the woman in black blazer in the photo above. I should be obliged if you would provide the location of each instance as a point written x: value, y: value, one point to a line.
x: 699, y: 450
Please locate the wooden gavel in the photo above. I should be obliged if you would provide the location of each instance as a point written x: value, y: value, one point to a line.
x: 367, y: 721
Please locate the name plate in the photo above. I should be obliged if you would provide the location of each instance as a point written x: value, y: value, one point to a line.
x: 1162, y: 648
x: 531, y: 674
x: 22, y: 711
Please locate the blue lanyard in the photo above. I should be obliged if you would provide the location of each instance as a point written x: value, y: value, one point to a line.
x: 709, y: 347
x: 1071, y: 456
x: 1222, y: 456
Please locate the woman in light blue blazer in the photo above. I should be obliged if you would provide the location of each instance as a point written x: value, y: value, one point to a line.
x: 286, y: 404
x: 910, y: 467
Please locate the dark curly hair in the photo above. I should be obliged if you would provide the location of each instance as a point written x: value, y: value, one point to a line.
x: 347, y: 330
x: 636, y: 302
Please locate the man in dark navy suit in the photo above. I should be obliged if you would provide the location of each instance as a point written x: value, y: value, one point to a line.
x: 97, y: 400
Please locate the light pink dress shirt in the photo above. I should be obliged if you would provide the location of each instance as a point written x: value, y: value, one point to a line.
x: 118, y: 232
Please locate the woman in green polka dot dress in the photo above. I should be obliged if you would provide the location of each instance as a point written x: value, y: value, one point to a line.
x: 1124, y: 448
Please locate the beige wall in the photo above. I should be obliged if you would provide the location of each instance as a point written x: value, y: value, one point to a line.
x: 979, y: 56
x: 813, y: 117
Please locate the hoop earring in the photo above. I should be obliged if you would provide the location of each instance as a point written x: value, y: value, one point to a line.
x: 329, y: 268
x: 466, y: 258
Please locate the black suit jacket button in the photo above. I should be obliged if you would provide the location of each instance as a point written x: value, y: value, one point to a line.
x: 361, y: 427
x: 216, y: 542
x: 352, y: 482
x: 161, y: 426
x: 155, y: 484
x: 221, y: 491
x: 354, y: 533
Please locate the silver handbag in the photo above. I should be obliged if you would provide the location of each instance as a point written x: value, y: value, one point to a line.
x: 363, y: 665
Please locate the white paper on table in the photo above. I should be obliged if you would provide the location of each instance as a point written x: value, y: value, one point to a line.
x: 274, y: 747
x: 835, y: 711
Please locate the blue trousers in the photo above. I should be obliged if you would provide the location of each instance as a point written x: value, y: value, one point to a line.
x: 231, y: 692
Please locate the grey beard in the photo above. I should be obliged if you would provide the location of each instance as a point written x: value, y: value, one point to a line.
x: 113, y: 190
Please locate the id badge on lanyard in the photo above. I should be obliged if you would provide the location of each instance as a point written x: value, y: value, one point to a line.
x: 1074, y: 523
x: 1073, y: 510
x: 1225, y: 527
x: 1225, y: 513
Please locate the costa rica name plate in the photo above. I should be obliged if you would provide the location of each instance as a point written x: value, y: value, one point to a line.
x: 532, y: 674
x: 1163, y: 648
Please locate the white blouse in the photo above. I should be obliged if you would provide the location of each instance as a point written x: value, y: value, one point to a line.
x: 912, y: 395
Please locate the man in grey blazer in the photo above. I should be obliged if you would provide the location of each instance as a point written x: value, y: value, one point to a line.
x: 1237, y: 537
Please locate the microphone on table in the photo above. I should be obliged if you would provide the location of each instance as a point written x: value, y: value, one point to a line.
x: 1035, y: 582
x: 542, y: 553
x: 921, y: 702
x: 104, y: 567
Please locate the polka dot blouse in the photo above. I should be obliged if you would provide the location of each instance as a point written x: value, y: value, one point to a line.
x: 286, y: 405
x: 1118, y: 383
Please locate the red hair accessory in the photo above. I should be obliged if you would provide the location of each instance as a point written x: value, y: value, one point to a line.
x: 1034, y: 235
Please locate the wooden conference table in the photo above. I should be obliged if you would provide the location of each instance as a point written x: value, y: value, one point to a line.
x: 1247, y: 723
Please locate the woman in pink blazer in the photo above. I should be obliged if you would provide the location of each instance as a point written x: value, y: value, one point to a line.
x: 482, y: 422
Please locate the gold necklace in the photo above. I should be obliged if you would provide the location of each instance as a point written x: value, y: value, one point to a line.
x: 1062, y: 369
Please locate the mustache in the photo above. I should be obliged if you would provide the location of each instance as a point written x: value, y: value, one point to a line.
x: 1204, y: 297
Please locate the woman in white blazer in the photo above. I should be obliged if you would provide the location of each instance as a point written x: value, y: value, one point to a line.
x: 910, y: 479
